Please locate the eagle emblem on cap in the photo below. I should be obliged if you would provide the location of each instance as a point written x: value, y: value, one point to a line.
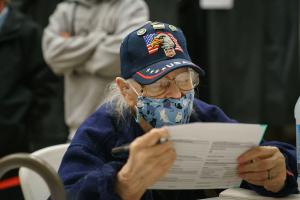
x: 163, y: 40
x: 166, y: 43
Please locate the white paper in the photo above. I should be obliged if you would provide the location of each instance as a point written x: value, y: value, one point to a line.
x: 216, y: 4
x: 243, y: 194
x: 207, y: 153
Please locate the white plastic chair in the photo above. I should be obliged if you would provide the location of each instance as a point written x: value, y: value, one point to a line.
x: 33, y: 186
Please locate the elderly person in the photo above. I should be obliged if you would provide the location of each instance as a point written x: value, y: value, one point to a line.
x: 156, y: 88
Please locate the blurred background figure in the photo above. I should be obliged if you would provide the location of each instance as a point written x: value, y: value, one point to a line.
x: 25, y: 90
x: 38, y: 10
x: 54, y: 128
x: 82, y: 43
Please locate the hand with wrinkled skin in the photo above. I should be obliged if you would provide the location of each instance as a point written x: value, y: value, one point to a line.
x: 254, y: 164
x: 147, y: 163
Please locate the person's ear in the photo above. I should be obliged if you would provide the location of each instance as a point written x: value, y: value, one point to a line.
x: 123, y: 86
x: 126, y: 91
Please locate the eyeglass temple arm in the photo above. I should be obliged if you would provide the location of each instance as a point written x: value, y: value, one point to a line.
x: 36, y: 164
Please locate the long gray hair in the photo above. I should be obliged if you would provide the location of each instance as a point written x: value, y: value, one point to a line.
x: 115, y: 100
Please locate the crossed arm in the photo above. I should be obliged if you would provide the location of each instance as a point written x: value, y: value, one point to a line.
x: 94, y: 53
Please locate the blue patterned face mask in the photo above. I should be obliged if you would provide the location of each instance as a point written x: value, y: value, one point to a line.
x: 162, y: 112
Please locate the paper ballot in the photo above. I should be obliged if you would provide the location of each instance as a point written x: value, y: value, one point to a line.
x: 243, y: 194
x: 207, y: 153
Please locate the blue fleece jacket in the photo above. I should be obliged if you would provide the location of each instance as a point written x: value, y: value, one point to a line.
x: 88, y: 169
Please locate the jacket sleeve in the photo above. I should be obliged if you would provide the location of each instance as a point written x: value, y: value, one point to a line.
x: 291, y: 186
x: 105, y: 60
x: 87, y: 175
x: 63, y: 55
x: 87, y: 169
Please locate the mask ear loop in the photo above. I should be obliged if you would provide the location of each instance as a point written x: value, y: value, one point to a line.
x: 137, y: 115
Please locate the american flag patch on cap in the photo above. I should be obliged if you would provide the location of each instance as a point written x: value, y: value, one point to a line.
x: 152, y: 48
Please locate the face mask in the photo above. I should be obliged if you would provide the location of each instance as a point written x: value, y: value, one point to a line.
x: 162, y: 112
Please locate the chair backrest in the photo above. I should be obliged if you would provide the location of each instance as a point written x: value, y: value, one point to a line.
x: 33, y: 186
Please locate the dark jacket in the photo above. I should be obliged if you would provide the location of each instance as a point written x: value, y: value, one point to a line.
x: 23, y: 83
x: 38, y: 10
x: 88, y: 169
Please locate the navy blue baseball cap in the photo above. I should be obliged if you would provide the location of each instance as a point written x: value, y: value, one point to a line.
x: 152, y: 51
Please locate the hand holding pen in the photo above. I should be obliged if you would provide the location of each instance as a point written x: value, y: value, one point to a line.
x: 148, y: 161
x: 125, y: 148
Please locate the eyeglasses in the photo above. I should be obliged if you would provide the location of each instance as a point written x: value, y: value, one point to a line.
x: 185, y: 81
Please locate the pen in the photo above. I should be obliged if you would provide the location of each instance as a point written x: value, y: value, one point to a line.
x: 125, y: 148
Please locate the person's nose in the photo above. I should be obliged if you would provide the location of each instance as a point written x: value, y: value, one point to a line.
x: 173, y: 91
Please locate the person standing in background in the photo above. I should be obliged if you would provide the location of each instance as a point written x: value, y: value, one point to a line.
x: 24, y: 91
x: 82, y: 43
x: 38, y: 10
x: 52, y: 129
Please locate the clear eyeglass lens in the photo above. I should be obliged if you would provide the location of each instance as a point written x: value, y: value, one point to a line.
x: 184, y: 81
